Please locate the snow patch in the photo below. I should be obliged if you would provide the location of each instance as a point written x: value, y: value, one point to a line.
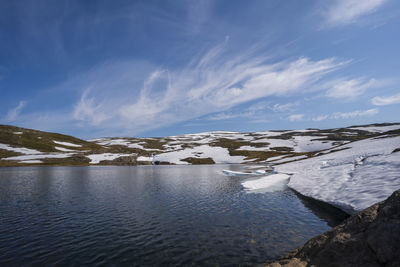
x: 40, y: 156
x: 31, y: 161
x: 352, y: 179
x: 63, y: 149
x: 271, y: 182
x: 142, y: 158
x: 21, y: 150
x: 252, y: 148
x: 96, y: 158
x: 67, y: 144
x: 377, y: 129
x: 218, y: 154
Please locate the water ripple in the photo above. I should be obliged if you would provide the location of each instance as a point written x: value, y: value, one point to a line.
x: 145, y: 216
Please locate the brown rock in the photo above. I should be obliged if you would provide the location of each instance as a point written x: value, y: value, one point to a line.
x: 369, y: 238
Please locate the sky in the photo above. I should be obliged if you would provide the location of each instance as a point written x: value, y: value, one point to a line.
x: 160, y: 68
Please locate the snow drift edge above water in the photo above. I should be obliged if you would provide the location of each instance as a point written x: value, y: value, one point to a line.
x: 353, y: 179
x: 266, y: 182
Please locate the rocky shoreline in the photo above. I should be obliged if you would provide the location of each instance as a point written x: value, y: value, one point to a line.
x: 368, y: 238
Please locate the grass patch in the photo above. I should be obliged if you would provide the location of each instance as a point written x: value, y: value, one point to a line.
x: 6, y: 153
x: 121, y: 161
x: 282, y: 149
x: 41, y: 141
x: 192, y: 160
x: 233, y: 145
x: 75, y: 160
x: 153, y: 143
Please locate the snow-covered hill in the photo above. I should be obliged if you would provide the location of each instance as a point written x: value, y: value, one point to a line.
x: 362, y: 174
x: 19, y: 146
x: 351, y: 168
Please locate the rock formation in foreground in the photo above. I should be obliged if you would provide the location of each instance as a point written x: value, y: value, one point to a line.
x: 369, y: 238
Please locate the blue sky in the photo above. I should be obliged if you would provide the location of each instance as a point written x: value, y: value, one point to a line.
x: 158, y: 68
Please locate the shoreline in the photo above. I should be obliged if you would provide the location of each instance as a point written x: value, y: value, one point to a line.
x: 370, y: 237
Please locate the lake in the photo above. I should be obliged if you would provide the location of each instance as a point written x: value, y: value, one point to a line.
x: 148, y: 215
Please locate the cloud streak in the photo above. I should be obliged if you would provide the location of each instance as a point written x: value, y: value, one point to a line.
x: 320, y: 118
x: 215, y: 83
x: 384, y: 101
x: 349, y: 89
x: 129, y: 99
x: 296, y: 117
x: 12, y: 114
x: 349, y: 11
x: 355, y: 114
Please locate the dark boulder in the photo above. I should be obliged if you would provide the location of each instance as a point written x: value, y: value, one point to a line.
x: 368, y: 238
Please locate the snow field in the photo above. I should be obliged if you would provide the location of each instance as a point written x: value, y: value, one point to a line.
x: 352, y: 179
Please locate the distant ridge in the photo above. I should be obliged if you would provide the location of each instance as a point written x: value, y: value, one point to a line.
x: 28, y: 147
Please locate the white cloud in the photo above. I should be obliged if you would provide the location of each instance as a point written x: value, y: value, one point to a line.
x: 348, y: 11
x: 349, y: 89
x: 13, y: 113
x: 320, y: 118
x: 259, y: 106
x: 86, y: 110
x: 355, y: 114
x: 383, y: 101
x: 284, y: 107
x: 122, y: 101
x: 224, y: 116
x: 296, y: 117
x: 215, y: 85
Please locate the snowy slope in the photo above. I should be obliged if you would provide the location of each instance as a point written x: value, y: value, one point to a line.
x: 364, y: 173
x: 218, y: 154
x: 273, y: 147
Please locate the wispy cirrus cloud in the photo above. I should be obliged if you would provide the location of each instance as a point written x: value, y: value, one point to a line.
x: 13, y: 113
x: 320, y: 118
x: 228, y: 115
x: 386, y: 100
x: 346, y: 115
x: 343, y: 12
x: 349, y: 89
x: 355, y: 114
x: 87, y: 110
x: 213, y: 83
x: 133, y: 97
x: 296, y: 117
x: 284, y: 107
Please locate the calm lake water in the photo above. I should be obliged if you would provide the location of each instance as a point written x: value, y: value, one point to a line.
x: 147, y: 215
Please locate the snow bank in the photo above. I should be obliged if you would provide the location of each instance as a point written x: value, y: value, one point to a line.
x: 218, y: 154
x: 67, y: 144
x: 136, y: 145
x: 96, y: 158
x: 40, y: 156
x: 141, y: 158
x: 298, y: 143
x: 21, y: 150
x: 31, y: 161
x: 311, y: 143
x: 377, y: 129
x: 287, y: 159
x: 236, y: 173
x: 252, y: 148
x: 352, y: 179
x: 273, y: 181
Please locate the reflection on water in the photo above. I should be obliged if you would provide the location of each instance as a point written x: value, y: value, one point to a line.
x: 148, y: 215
